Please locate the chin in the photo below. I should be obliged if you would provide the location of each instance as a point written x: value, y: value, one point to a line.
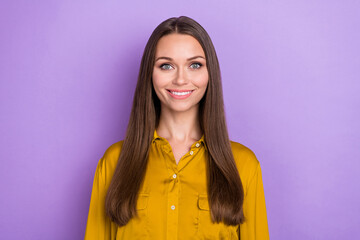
x: 181, y: 108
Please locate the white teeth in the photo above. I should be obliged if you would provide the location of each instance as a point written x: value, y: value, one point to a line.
x: 181, y: 93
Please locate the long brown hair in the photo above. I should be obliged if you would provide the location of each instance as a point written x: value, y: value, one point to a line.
x: 224, y: 187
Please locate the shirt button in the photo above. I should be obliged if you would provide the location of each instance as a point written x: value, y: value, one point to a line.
x: 173, y: 207
x: 191, y: 152
x: 197, y: 145
x: 174, y: 176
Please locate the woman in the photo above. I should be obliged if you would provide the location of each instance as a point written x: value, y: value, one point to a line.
x: 176, y: 175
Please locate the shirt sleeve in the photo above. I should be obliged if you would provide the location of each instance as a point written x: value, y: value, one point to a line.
x: 99, y: 226
x: 255, y: 226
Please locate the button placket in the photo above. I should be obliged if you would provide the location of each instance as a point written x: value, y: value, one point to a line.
x: 172, y: 200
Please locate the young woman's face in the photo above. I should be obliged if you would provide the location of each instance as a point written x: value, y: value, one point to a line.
x: 180, y: 75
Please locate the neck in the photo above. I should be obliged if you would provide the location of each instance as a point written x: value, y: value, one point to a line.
x: 180, y: 126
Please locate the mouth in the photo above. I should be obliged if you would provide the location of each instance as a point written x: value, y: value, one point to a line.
x: 180, y: 94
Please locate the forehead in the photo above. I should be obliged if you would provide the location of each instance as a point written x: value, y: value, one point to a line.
x: 178, y: 44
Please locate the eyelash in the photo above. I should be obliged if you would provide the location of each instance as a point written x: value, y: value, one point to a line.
x: 162, y: 65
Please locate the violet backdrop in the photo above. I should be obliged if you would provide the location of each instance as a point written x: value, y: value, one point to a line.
x: 290, y: 70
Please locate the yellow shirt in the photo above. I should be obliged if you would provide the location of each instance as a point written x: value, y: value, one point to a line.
x: 173, y: 200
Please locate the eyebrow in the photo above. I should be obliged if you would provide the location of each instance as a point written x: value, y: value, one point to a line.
x: 170, y: 59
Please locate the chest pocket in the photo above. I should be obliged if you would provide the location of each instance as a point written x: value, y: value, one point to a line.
x: 138, y: 226
x: 142, y: 202
x: 209, y: 230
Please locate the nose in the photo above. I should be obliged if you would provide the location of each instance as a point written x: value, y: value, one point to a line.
x: 181, y: 77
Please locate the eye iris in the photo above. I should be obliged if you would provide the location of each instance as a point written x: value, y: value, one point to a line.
x: 166, y: 66
x: 196, y: 65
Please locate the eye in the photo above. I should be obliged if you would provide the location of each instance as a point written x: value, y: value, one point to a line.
x: 195, y: 65
x: 166, y: 66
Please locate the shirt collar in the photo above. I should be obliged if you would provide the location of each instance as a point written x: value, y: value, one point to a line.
x: 164, y: 141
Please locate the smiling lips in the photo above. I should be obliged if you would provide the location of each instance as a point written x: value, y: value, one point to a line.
x: 179, y: 94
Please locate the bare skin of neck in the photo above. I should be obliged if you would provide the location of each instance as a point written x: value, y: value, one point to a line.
x: 180, y: 129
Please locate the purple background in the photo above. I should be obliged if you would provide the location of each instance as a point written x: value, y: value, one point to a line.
x: 291, y: 77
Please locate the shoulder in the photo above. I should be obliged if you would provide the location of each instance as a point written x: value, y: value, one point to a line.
x: 107, y: 163
x: 243, y: 154
x: 113, y: 151
x: 246, y: 161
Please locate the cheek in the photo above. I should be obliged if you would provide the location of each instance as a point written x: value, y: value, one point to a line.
x: 158, y: 80
x: 155, y: 81
x: 203, y: 83
x: 158, y: 84
x: 202, y: 80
